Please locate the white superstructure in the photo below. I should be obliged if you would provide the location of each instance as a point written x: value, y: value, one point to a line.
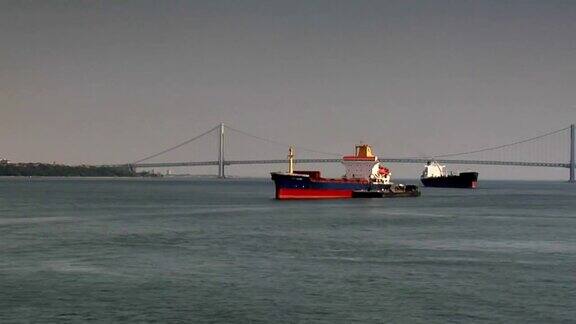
x: 364, y: 165
x: 433, y: 169
x: 359, y: 165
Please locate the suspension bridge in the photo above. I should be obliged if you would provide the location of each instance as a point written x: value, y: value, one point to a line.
x: 566, y: 136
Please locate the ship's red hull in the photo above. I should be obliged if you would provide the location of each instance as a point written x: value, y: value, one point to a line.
x: 304, y: 193
x: 309, y: 185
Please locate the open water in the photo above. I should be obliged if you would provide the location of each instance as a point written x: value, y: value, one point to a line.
x: 195, y: 251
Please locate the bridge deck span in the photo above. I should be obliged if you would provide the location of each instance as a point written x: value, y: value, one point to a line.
x: 385, y: 160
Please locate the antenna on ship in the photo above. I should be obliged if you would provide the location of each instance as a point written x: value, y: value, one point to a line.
x: 291, y: 159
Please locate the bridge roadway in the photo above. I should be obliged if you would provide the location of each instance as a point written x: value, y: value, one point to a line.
x: 389, y: 160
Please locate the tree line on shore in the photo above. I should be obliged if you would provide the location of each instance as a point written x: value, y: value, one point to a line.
x: 60, y: 170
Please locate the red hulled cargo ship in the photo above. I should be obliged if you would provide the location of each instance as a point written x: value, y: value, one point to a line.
x: 363, y: 174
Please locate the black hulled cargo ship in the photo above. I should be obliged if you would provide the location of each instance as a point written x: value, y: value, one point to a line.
x: 435, y: 175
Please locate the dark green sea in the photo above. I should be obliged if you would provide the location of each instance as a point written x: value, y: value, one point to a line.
x: 211, y: 251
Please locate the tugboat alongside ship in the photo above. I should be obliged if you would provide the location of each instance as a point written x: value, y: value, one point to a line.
x: 435, y: 175
x: 365, y: 177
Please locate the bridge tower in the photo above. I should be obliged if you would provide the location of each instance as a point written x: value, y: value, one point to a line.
x: 572, y: 153
x: 221, y: 153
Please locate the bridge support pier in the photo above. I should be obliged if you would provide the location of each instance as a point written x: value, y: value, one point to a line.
x: 221, y: 153
x: 572, y: 154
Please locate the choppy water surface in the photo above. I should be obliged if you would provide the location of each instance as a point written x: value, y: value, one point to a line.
x: 149, y: 250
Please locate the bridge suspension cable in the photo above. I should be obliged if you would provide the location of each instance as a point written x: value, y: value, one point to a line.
x: 175, y: 146
x: 300, y: 148
x: 401, y: 160
x: 492, y: 148
x: 556, y: 163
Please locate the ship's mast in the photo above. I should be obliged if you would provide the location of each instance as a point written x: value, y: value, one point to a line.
x: 291, y: 160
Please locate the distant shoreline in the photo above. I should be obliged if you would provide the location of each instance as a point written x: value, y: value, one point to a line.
x: 62, y: 170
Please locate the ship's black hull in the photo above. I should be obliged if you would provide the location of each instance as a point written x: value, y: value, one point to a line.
x: 463, y: 180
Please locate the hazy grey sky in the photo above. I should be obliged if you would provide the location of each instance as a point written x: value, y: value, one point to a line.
x: 112, y: 81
